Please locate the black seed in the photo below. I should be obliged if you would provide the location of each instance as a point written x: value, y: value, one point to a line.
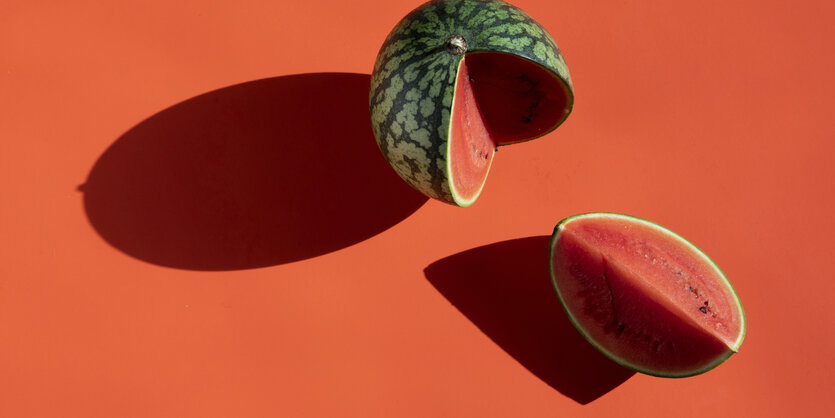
x: 621, y: 328
x: 703, y: 309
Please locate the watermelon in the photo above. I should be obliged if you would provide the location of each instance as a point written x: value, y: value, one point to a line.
x: 454, y: 80
x: 644, y: 296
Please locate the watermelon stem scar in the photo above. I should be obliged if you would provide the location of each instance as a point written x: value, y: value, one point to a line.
x: 455, y: 45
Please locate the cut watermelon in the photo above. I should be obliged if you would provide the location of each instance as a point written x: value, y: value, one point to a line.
x: 644, y: 296
x: 454, y: 80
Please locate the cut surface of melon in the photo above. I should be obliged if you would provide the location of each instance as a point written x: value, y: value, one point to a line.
x: 645, y: 296
x: 499, y: 99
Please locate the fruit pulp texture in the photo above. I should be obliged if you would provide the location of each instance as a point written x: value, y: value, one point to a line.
x: 644, y: 297
x: 471, y: 145
x: 499, y: 99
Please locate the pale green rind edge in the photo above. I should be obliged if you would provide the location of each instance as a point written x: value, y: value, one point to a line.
x: 719, y: 360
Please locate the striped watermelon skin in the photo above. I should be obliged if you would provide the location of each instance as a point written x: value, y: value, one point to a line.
x: 414, y: 77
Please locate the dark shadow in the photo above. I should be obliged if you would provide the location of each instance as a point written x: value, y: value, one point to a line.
x: 505, y: 289
x: 256, y: 174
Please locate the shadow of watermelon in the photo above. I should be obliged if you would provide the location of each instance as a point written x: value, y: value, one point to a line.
x: 505, y: 290
x: 253, y: 175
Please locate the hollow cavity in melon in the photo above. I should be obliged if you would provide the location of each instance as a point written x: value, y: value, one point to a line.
x: 500, y: 99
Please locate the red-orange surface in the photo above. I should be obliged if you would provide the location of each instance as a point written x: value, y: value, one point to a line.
x: 196, y: 222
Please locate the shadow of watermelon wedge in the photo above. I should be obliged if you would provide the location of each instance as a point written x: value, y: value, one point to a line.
x: 252, y: 175
x: 505, y: 290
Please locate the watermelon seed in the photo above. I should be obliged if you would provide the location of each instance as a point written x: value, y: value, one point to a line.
x: 620, y: 329
x: 455, y: 45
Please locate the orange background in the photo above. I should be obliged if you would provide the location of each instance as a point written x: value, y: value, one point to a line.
x: 179, y: 239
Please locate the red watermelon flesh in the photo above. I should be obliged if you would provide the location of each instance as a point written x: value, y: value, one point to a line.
x: 500, y: 99
x: 471, y: 146
x: 644, y: 296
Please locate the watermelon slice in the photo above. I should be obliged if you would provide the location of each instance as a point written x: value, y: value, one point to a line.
x: 644, y: 296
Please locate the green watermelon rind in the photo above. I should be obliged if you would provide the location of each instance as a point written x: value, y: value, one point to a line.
x: 719, y: 360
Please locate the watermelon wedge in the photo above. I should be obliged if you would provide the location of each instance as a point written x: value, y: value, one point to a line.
x: 644, y: 296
